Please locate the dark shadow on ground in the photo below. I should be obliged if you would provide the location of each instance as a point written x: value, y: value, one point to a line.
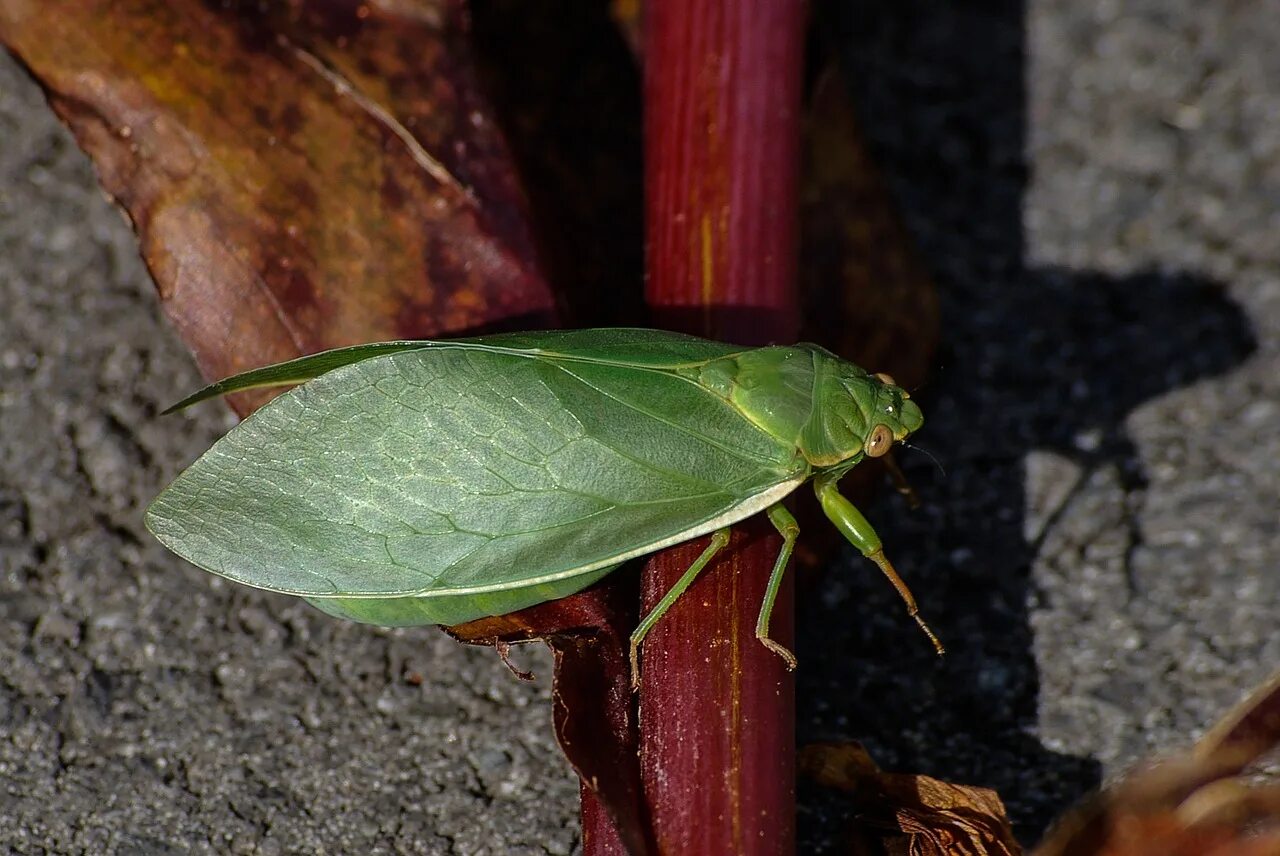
x: 1032, y: 359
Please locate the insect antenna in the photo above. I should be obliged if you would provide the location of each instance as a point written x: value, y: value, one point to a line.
x: 928, y: 454
x: 924, y: 384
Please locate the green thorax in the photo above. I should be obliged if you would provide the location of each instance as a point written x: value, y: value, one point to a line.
x: 808, y: 397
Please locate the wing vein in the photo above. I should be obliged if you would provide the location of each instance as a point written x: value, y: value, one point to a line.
x: 737, y: 453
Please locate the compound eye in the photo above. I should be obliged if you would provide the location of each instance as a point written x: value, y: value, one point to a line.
x: 880, y: 441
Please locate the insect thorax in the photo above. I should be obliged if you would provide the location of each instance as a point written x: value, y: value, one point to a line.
x: 809, y: 398
x: 770, y: 387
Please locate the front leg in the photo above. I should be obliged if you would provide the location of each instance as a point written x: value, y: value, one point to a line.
x: 858, y: 531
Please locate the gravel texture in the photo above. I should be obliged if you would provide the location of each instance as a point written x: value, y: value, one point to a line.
x: 1097, y: 186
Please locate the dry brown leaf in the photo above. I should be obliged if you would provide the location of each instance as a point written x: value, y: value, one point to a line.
x: 912, y: 815
x: 1191, y: 805
x: 864, y: 292
x: 301, y: 175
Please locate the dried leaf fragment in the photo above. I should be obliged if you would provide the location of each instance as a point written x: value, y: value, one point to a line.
x: 301, y: 176
x: 912, y: 815
x: 1191, y: 805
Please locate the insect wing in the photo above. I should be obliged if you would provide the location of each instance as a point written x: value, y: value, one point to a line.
x: 448, y: 471
x: 623, y: 346
x: 413, y: 611
x: 296, y: 371
x: 657, y: 348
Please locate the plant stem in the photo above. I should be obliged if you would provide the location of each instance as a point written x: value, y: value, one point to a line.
x: 722, y: 128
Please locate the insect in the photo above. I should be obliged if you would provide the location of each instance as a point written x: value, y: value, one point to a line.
x: 436, y: 482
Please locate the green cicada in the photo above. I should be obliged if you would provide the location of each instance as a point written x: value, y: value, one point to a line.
x: 435, y: 482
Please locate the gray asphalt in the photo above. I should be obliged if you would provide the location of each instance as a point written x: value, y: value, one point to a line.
x: 1096, y: 185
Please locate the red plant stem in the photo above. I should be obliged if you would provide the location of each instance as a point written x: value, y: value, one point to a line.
x: 721, y: 140
x: 599, y: 835
x: 717, y: 709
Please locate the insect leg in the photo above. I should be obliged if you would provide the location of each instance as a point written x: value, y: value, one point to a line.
x: 789, y: 530
x: 719, y: 539
x: 859, y: 533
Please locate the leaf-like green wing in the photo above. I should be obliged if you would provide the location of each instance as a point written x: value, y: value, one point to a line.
x: 294, y: 372
x: 470, y: 468
x: 631, y: 345
x: 452, y: 608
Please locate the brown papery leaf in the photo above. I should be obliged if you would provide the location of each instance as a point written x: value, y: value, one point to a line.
x: 313, y: 175
x: 628, y: 15
x: 912, y: 815
x: 1190, y: 805
x: 1247, y: 731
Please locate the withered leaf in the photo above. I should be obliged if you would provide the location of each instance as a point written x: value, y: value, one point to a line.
x: 865, y: 294
x: 912, y: 815
x: 315, y: 175
x: 1192, y: 805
